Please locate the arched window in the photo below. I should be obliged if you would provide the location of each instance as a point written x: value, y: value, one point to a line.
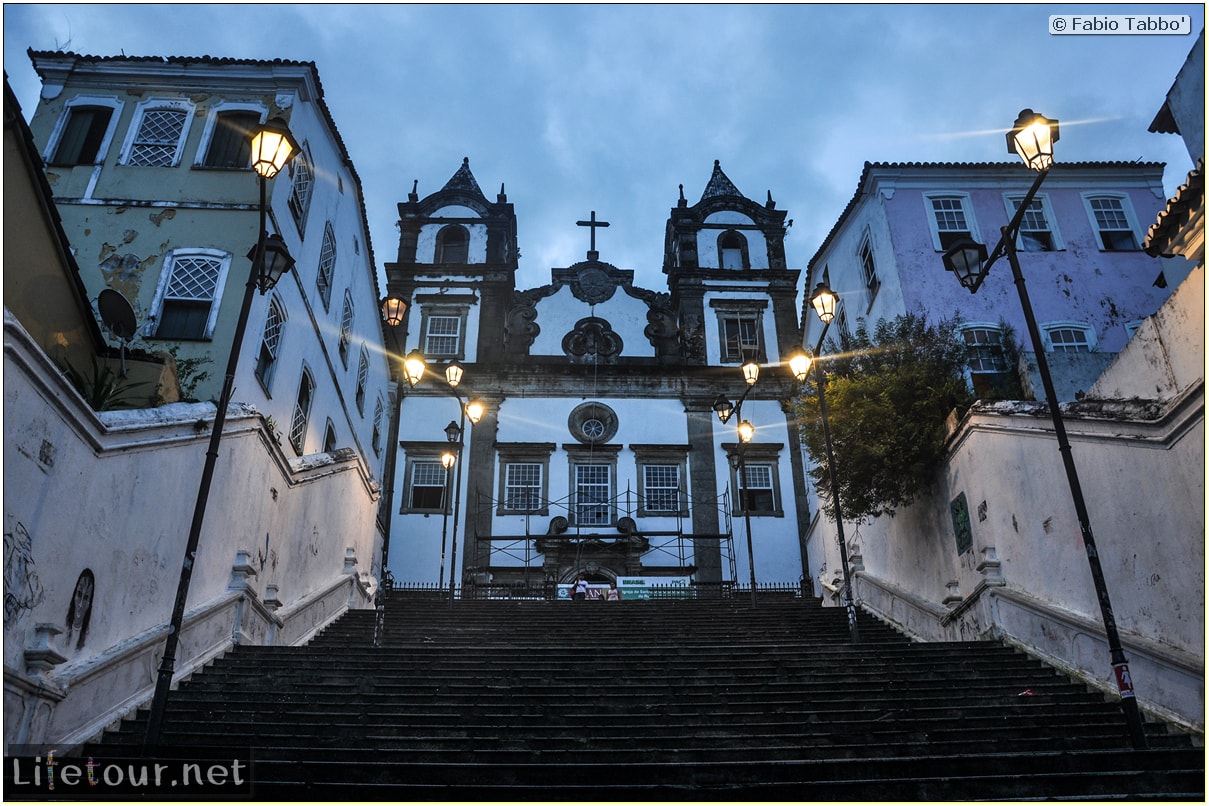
x: 300, y: 188
x: 302, y: 412
x: 732, y: 251
x: 346, y: 326
x: 327, y: 266
x: 229, y: 144
x: 190, y: 284
x: 362, y: 380
x: 84, y: 134
x: 329, y: 437
x: 453, y: 245
x: 157, y: 139
x: 376, y: 442
x: 270, y: 343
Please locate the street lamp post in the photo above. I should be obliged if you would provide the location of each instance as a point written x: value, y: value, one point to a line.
x: 394, y: 310
x: 725, y: 410
x: 824, y: 302
x: 447, y: 461
x: 414, y: 368
x: 272, y: 148
x: 746, y: 432
x: 1032, y: 137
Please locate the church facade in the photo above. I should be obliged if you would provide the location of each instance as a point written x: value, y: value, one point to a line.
x: 599, y: 449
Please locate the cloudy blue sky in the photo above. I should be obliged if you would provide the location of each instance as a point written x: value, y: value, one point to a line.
x: 611, y: 107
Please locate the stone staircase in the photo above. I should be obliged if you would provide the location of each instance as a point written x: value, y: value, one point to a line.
x: 677, y: 699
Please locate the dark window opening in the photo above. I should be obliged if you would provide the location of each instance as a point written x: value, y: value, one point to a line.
x: 229, y: 144
x: 80, y: 142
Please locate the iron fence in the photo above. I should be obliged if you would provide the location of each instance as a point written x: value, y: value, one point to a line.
x: 549, y: 591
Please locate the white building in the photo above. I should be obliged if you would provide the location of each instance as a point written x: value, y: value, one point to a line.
x: 156, y: 202
x: 994, y: 549
x: 599, y: 451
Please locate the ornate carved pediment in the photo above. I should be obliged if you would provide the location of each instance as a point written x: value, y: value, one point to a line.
x: 592, y: 281
x: 592, y: 341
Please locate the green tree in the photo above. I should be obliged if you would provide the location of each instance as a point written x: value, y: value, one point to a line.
x: 888, y: 395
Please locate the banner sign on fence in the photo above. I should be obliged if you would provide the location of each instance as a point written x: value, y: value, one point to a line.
x: 632, y: 588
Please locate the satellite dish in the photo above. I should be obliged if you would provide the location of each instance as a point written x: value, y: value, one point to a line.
x: 118, y: 317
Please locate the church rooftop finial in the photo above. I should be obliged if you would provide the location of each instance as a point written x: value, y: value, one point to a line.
x: 593, y: 223
x: 719, y: 184
x: 463, y: 180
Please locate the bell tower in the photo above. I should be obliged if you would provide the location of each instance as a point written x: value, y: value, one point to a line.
x: 725, y: 261
x: 456, y: 267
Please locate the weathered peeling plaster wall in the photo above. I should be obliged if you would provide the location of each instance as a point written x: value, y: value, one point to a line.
x: 124, y: 220
x: 114, y: 494
x: 1144, y: 488
x: 1080, y: 283
x: 1168, y: 354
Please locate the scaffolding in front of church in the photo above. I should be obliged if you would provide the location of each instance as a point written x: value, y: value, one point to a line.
x: 556, y: 545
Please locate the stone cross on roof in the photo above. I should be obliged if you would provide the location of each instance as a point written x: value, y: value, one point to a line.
x: 593, y: 223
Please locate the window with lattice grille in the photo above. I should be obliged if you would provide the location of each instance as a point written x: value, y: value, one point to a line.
x: 346, y: 327
x: 327, y: 266
x: 188, y: 299
x: 1036, y: 234
x: 1068, y: 340
x: 158, y: 138
x: 376, y: 440
x: 868, y: 268
x: 362, y: 380
x: 270, y: 342
x: 300, y: 189
x: 984, y: 349
x: 302, y: 413
x: 949, y: 218
x: 740, y: 338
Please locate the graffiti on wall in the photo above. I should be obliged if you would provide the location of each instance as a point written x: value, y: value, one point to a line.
x: 22, y: 588
x: 79, y: 612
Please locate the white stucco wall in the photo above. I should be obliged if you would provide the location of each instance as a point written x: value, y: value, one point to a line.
x: 768, y: 331
x: 707, y: 240
x: 1026, y: 578
x: 426, y: 244
x: 558, y: 313
x: 415, y: 552
x: 1167, y: 355
x: 114, y: 493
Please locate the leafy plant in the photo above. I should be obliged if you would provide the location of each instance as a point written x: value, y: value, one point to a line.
x: 888, y: 395
x: 189, y: 373
x: 103, y: 389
